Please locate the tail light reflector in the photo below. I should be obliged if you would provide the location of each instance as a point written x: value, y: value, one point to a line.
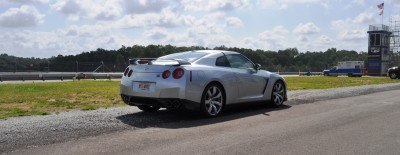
x: 126, y: 71
x: 166, y: 74
x: 130, y: 73
x: 178, y: 73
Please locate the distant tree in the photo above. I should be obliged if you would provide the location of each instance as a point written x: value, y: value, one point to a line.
x: 116, y: 60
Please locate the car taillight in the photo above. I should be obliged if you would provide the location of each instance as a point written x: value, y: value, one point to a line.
x: 126, y: 71
x: 178, y: 73
x: 166, y: 74
x: 130, y: 73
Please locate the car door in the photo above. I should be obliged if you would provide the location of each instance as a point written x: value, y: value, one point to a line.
x: 250, y: 84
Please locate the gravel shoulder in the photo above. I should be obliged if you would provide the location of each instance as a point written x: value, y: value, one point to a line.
x: 33, y: 131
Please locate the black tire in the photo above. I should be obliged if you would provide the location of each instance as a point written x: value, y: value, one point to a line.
x: 278, y: 94
x: 147, y: 108
x: 393, y: 75
x: 212, y: 100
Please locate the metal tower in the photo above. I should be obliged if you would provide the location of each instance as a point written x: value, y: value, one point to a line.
x: 394, y: 24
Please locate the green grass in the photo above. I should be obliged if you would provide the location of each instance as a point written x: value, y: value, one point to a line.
x: 325, y: 82
x: 43, y: 98
x: 25, y: 99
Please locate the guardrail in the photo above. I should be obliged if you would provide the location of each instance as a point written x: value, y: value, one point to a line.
x: 22, y: 76
x: 299, y: 73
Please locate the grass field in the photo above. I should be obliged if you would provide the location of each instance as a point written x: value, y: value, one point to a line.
x: 42, y: 98
x: 323, y: 82
x: 25, y: 99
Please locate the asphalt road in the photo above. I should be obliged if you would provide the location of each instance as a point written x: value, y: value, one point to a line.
x: 365, y: 124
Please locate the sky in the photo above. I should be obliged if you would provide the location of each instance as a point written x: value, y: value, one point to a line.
x: 45, y: 28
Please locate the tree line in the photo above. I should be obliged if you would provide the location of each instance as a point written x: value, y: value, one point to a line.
x: 287, y: 60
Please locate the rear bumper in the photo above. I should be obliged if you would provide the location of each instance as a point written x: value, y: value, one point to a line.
x: 161, y: 102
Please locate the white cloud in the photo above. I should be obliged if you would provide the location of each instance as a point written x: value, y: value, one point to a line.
x: 352, y: 32
x: 324, y: 40
x: 363, y: 18
x: 25, y: 16
x: 70, y: 40
x: 145, y: 6
x: 207, y: 25
x: 353, y: 35
x: 207, y: 31
x: 274, y: 39
x: 233, y: 21
x: 283, y: 4
x: 212, y: 5
x: 67, y: 7
x: 302, y: 39
x: 325, y: 5
x: 90, y: 36
x: 157, y: 33
x: 109, y: 10
x: 321, y: 43
x: 166, y: 18
x: 276, y: 33
x: 250, y: 42
x: 188, y: 38
x: 97, y: 9
x: 87, y: 31
x: 307, y: 28
x: 29, y: 1
x: 71, y: 8
x: 29, y: 43
x: 359, y: 2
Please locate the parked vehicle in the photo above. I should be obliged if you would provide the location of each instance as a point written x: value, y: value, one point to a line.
x: 393, y: 72
x: 205, y: 80
x: 349, y: 68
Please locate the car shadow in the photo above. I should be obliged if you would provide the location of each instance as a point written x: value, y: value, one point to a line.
x: 186, y: 119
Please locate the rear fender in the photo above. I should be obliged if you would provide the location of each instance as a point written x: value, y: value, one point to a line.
x: 201, y: 78
x: 271, y: 82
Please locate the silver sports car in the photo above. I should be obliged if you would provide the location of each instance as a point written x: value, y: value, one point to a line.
x: 205, y: 80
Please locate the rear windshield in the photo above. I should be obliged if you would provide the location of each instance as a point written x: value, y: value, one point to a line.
x: 185, y: 56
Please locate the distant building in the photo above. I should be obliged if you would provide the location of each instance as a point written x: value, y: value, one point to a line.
x: 378, y: 49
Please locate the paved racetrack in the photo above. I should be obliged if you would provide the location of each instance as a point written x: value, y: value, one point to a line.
x: 364, y: 124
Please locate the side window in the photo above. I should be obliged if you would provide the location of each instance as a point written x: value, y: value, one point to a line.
x: 222, y: 61
x: 239, y: 61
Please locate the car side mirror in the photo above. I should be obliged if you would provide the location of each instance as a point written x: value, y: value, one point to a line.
x: 258, y: 67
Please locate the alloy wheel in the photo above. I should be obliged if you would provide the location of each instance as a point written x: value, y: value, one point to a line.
x: 213, y: 100
x: 393, y: 75
x: 278, y: 93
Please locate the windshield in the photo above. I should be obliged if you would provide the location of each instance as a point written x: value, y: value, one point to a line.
x: 186, y: 56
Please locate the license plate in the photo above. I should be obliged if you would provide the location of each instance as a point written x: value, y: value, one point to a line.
x: 146, y: 87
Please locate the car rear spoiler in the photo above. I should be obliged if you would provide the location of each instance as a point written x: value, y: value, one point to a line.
x: 150, y: 61
x: 137, y: 61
